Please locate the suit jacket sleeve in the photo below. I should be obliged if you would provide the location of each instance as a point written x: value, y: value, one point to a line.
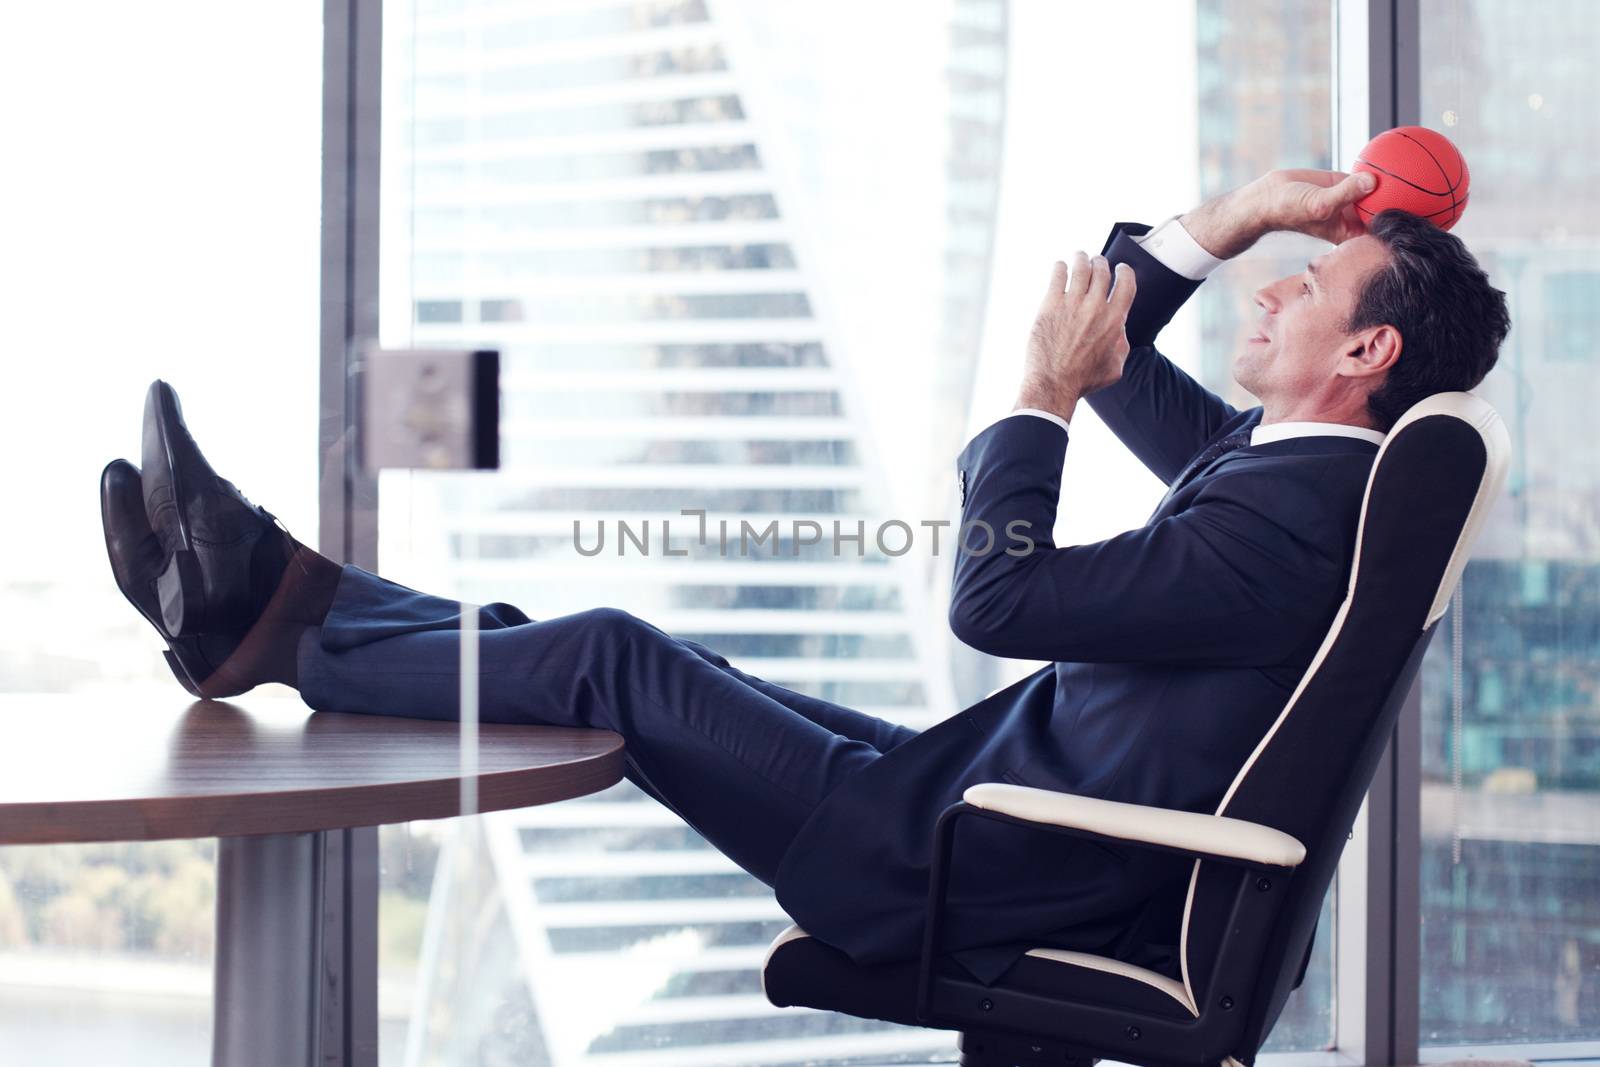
x: 1222, y: 583
x: 1160, y: 413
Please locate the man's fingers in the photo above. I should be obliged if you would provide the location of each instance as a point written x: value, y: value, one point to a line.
x: 1330, y: 200
x: 1099, y: 279
x: 1080, y: 276
x: 1311, y: 177
x: 1122, y: 293
x: 1350, y: 224
x: 1058, y: 285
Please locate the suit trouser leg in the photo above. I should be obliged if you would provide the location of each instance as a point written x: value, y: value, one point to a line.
x: 719, y: 747
x: 881, y: 734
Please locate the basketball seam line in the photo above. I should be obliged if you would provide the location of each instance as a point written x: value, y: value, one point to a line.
x: 1407, y: 181
x: 1449, y: 187
x: 1373, y: 214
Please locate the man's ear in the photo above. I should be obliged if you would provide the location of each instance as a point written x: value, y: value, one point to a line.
x: 1371, y: 352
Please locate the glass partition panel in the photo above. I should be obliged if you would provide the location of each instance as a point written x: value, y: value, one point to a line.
x: 160, y: 209
x: 1511, y: 727
x: 744, y: 259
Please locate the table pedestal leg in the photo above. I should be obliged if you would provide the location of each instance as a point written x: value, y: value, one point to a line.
x: 268, y: 950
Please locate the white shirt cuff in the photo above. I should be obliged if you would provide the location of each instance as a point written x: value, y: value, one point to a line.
x: 1057, y: 419
x: 1177, y: 250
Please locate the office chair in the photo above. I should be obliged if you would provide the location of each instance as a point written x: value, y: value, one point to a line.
x: 1262, y: 862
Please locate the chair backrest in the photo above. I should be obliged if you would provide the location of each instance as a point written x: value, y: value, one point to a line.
x: 1432, y: 485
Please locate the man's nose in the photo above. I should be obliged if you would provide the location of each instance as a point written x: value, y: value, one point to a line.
x: 1265, y: 300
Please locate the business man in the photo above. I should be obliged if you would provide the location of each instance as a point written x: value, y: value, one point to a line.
x: 1172, y: 646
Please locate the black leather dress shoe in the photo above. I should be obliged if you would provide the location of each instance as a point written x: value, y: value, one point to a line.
x: 136, y: 560
x: 223, y: 555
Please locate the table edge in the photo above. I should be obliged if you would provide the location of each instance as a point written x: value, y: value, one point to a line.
x: 300, y: 810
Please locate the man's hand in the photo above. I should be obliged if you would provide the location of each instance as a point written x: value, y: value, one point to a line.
x: 1316, y: 202
x: 1079, y: 340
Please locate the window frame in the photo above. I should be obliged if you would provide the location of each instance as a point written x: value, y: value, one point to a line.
x: 1377, y: 976
x: 347, y: 999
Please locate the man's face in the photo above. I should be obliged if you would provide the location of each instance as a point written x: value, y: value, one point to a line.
x: 1299, y: 347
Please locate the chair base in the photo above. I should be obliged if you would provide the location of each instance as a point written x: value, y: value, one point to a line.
x: 984, y: 1049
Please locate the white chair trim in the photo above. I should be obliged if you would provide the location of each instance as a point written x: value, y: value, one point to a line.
x: 1497, y: 448
x: 1497, y: 461
x: 1172, y: 988
x: 1170, y: 827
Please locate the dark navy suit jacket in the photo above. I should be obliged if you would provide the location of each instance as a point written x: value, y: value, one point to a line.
x: 1173, y: 648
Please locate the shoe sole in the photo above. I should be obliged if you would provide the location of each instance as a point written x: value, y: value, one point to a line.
x: 179, y: 671
x: 180, y: 588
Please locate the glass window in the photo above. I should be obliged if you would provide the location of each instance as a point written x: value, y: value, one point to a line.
x: 160, y: 211
x: 737, y: 259
x: 1511, y: 731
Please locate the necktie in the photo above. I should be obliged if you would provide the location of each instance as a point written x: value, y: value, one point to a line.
x: 1208, y: 455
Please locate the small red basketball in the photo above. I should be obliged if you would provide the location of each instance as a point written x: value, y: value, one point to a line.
x: 1419, y: 171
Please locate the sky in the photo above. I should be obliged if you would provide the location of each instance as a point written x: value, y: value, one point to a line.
x: 160, y: 212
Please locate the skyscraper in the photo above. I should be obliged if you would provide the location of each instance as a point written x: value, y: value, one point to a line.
x: 596, y: 191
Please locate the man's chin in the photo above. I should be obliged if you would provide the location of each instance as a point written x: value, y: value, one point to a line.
x: 1244, y: 372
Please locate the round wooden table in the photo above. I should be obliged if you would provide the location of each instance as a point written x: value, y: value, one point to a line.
x: 281, y: 787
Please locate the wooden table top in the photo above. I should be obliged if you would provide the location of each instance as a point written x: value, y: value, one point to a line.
x: 99, y: 769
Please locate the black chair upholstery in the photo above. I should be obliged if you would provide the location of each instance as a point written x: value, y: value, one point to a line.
x: 1262, y: 862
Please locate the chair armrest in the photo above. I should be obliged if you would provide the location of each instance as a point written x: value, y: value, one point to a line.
x: 1182, y: 831
x: 1248, y: 846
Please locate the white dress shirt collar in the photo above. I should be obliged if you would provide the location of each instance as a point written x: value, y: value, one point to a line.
x: 1283, y: 431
